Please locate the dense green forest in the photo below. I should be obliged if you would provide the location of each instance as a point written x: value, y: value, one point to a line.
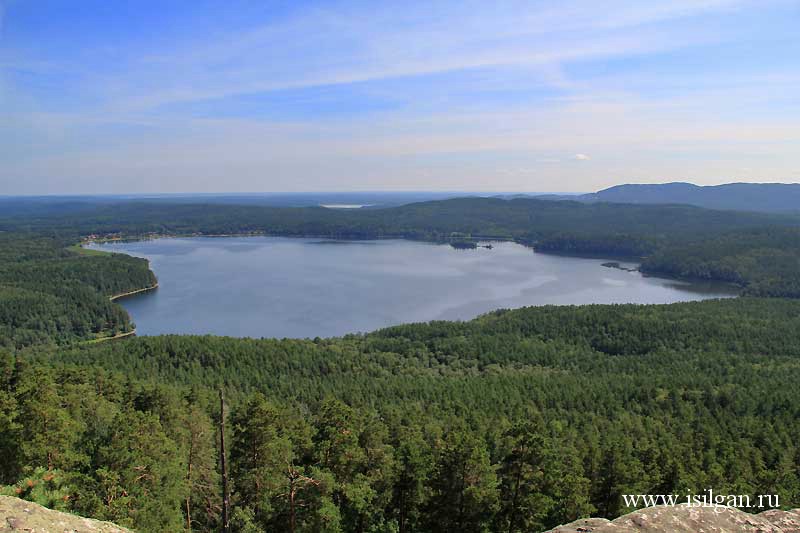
x: 766, y: 261
x: 515, y: 421
x: 51, y: 293
x: 518, y: 420
x: 520, y: 218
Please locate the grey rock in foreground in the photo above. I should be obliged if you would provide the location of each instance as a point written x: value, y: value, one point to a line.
x: 21, y: 515
x: 684, y: 519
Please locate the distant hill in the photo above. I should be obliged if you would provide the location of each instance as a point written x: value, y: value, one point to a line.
x: 767, y: 197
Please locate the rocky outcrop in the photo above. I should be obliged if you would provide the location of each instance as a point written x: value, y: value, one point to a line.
x: 684, y: 519
x: 21, y: 515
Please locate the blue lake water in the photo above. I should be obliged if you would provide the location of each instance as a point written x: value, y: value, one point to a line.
x: 288, y: 287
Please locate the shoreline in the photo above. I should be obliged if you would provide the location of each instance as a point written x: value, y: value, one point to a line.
x: 341, y: 237
x: 131, y: 293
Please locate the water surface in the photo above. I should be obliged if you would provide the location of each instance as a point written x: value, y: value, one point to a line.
x: 286, y: 287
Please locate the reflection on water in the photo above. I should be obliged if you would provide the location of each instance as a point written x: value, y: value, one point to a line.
x: 711, y: 288
x: 282, y: 287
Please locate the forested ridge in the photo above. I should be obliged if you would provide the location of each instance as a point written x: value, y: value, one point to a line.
x: 515, y: 421
x: 522, y: 218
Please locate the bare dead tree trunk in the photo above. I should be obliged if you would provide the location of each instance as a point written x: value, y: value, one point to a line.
x: 226, y: 525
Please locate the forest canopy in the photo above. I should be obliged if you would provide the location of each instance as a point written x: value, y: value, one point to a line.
x: 49, y: 293
x: 534, y: 416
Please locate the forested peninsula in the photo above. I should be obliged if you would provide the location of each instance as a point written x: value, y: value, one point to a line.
x: 515, y: 421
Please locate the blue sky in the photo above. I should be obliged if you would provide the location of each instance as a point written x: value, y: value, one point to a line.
x: 180, y: 96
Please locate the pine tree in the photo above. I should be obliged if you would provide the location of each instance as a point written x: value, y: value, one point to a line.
x: 414, y: 467
x: 259, y: 455
x: 202, y: 502
x: 50, y: 434
x: 525, y: 506
x: 141, y: 475
x: 465, y: 492
x: 10, y: 423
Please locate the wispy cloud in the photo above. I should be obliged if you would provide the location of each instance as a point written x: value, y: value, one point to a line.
x: 308, y: 50
x: 337, y: 97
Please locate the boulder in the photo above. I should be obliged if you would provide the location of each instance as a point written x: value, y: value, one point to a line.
x: 686, y: 519
x: 21, y: 515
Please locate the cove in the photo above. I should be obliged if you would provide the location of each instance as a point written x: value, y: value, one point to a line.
x: 306, y: 287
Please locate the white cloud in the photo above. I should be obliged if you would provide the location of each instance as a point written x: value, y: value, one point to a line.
x: 580, y: 157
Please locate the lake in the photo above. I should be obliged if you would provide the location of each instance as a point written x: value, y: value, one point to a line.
x: 292, y: 287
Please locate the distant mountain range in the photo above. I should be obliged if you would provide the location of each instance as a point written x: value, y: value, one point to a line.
x: 767, y: 197
x: 763, y: 197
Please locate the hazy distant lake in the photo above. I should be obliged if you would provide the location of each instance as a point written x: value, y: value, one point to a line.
x: 282, y: 287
